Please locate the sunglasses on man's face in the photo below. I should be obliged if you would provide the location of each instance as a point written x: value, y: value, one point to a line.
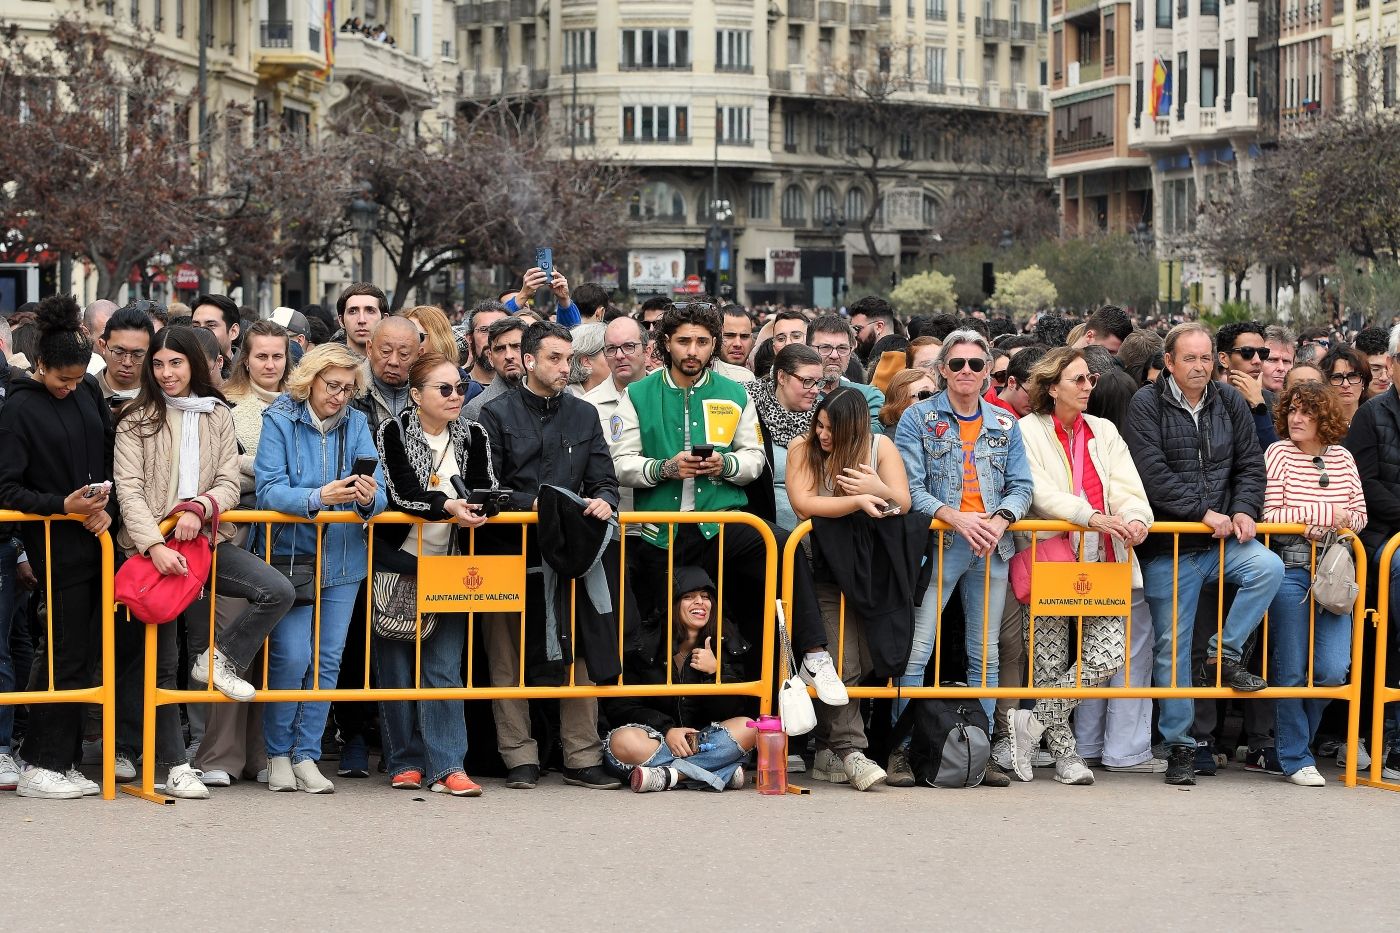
x: 1248, y: 353
x: 974, y: 363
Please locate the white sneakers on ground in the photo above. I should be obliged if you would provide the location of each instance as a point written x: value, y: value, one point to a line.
x: 819, y: 671
x: 226, y: 679
x: 826, y: 766
x: 1072, y: 770
x: 43, y: 784
x: 1307, y: 777
x: 215, y: 777
x: 310, y: 779
x: 126, y: 769
x: 9, y: 772
x: 1363, y: 757
x: 183, y: 782
x: 280, y: 776
x: 88, y: 787
x: 857, y: 770
x: 1024, y: 739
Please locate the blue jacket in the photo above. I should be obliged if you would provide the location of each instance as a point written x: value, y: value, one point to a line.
x: 293, y: 462
x: 929, y: 443
x: 568, y: 315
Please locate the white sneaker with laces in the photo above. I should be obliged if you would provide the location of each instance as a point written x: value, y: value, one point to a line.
x: 184, y: 783
x: 1307, y: 777
x: 646, y: 780
x: 9, y: 772
x: 819, y: 671
x: 862, y: 772
x: 1363, y: 757
x: 88, y: 787
x: 126, y: 769
x: 44, y: 784
x: 827, y: 767
x: 1042, y: 759
x: 1024, y: 739
x: 217, y: 778
x: 226, y: 679
x: 1001, y: 752
x: 1072, y: 770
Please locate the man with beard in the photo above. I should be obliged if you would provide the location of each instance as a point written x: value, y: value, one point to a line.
x: 871, y: 318
x: 832, y: 338
x: 482, y: 317
x: 503, y: 345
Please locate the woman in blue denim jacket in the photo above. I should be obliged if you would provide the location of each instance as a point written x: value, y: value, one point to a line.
x: 311, y: 438
x: 967, y: 467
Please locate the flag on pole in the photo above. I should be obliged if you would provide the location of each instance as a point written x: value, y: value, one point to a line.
x: 1161, y: 88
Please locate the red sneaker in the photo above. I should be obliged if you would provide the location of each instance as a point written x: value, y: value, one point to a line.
x: 458, y: 785
x: 407, y: 780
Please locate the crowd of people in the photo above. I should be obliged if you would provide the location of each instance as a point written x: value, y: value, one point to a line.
x: 375, y: 33
x: 868, y: 423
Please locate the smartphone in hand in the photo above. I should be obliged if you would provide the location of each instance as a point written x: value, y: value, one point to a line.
x: 364, y: 466
x: 703, y: 451
x: 544, y: 258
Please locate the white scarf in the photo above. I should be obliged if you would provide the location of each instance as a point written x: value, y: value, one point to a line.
x: 191, y: 405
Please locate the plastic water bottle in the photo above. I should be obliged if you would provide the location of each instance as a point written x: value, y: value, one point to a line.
x: 772, y: 755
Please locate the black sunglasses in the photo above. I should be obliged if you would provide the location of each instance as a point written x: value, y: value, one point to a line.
x: 448, y: 390
x: 1322, y: 480
x: 1248, y: 353
x: 976, y: 364
x: 924, y: 395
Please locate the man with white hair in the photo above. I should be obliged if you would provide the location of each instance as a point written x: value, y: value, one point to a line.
x: 95, y: 317
x: 967, y: 467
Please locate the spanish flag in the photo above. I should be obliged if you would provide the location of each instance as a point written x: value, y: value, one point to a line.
x: 1161, y: 88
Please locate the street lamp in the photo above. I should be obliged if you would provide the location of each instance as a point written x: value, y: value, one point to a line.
x: 721, y: 212
x: 834, y: 225
x: 364, y: 216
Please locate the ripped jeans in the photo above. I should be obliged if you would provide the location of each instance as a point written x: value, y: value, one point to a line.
x: 711, y: 767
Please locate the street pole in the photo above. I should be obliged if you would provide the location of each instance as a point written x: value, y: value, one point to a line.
x: 366, y: 256
x: 573, y: 128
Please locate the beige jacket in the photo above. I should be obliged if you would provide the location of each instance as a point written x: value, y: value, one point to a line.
x: 146, y: 475
x: 1053, y: 498
x: 247, y: 420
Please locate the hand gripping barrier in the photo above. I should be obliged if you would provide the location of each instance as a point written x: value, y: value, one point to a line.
x: 761, y: 689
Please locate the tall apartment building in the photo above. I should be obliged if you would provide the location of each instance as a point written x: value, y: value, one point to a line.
x: 730, y: 103
x: 1105, y: 183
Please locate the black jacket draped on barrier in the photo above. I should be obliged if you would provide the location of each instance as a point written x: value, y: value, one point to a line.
x: 1190, y: 467
x: 1374, y: 440
x: 882, y: 566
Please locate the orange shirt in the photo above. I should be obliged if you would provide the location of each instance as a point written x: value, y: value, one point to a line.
x: 970, y: 429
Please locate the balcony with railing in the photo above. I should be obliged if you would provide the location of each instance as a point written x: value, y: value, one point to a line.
x: 1082, y: 139
x: 523, y: 9
x: 805, y: 10
x: 863, y: 16
x: 992, y: 28
x: 289, y: 46
x: 467, y: 14
x: 831, y: 12
x: 379, y: 67
x: 1024, y: 32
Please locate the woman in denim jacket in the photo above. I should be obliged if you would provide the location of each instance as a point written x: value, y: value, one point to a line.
x: 311, y: 438
x: 967, y: 467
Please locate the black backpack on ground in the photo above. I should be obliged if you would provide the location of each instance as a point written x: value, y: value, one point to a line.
x: 948, y: 741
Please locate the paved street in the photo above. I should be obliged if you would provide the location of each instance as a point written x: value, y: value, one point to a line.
x: 1237, y: 851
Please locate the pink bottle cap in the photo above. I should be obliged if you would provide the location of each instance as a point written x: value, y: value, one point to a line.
x: 766, y: 723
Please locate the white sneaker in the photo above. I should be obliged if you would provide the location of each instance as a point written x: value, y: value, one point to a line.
x: 1001, y: 752
x: 310, y: 779
x: 226, y: 679
x: 736, y: 780
x: 1042, y: 759
x: 184, y: 783
x: 827, y: 767
x: 217, y: 778
x: 262, y: 776
x: 9, y: 772
x: 126, y: 769
x: 1150, y: 766
x: 862, y: 772
x: 89, y: 788
x: 280, y: 776
x: 1307, y: 777
x: 1024, y: 739
x: 646, y: 780
x: 819, y: 671
x: 47, y: 785
x: 1363, y: 757
x: 1073, y: 770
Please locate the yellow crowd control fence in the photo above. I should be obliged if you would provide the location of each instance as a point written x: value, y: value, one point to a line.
x: 1382, y: 693
x: 103, y: 693
x: 480, y: 564
x: 1349, y: 692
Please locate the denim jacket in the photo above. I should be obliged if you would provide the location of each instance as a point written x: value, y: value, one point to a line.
x: 929, y: 442
x: 294, y: 461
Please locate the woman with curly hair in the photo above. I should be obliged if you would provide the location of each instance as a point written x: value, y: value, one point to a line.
x: 1312, y: 480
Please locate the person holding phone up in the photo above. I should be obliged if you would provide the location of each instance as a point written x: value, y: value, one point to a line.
x: 535, y: 278
x: 310, y: 441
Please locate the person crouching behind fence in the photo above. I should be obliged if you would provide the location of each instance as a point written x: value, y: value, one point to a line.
x: 308, y: 435
x: 176, y: 444
x: 423, y: 449
x: 1312, y: 480
x: 668, y: 741
x: 1082, y: 473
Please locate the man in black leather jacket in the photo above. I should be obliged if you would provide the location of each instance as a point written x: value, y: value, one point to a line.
x: 1195, y: 446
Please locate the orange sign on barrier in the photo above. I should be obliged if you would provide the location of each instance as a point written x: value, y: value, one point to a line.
x: 1092, y: 589
x: 476, y: 583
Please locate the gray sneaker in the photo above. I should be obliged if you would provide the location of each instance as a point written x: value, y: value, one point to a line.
x: 899, y: 774
x: 1024, y: 738
x: 1072, y: 770
x: 862, y: 772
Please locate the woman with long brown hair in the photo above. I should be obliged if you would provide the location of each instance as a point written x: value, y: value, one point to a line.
x: 907, y: 387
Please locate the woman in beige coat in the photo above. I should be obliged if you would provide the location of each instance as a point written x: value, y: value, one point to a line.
x: 1082, y: 473
x: 176, y: 444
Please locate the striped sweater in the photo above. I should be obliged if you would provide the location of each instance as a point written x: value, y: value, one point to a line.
x: 1294, y: 493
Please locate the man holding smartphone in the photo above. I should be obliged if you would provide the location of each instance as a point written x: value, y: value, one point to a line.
x: 566, y: 312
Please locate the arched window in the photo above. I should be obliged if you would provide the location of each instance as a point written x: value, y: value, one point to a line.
x: 823, y: 204
x: 659, y: 200
x: 855, y: 206
x: 794, y: 203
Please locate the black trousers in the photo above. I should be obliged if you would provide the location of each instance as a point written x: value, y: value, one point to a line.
x: 55, y: 736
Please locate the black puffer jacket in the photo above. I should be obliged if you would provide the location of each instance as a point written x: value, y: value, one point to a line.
x: 1374, y: 440
x: 1190, y: 469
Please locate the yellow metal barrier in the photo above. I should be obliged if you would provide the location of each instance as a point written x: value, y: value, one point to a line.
x: 761, y: 689
x: 1381, y: 694
x: 103, y: 694
x: 1349, y: 692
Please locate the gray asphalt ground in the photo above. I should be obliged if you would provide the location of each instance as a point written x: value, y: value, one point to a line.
x: 1238, y: 851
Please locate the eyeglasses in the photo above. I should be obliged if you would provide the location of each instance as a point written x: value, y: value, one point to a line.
x: 832, y: 349
x: 1249, y: 353
x: 807, y: 384
x: 621, y: 349
x: 448, y: 390
x: 1322, y: 479
x: 1091, y: 378
x: 974, y: 363
x: 999, y: 376
x: 135, y: 356
x: 924, y: 395
x: 1338, y: 379
x: 337, y: 389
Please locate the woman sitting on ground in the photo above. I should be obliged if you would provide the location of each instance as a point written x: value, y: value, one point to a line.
x: 667, y: 741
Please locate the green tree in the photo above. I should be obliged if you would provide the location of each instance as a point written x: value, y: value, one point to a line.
x: 1025, y: 292
x: 926, y: 293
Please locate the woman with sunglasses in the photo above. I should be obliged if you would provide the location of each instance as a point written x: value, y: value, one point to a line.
x: 423, y: 449
x: 311, y: 439
x: 1349, y: 375
x: 1313, y: 481
x: 907, y: 387
x: 784, y: 403
x: 1084, y: 474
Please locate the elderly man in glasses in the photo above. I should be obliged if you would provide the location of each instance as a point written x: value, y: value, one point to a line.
x: 834, y: 339
x: 967, y: 467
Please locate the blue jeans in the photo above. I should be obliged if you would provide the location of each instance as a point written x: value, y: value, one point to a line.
x: 1253, y: 568
x: 8, y: 585
x: 429, y: 737
x: 1296, y: 719
x: 294, y: 729
x: 711, y: 767
x: 959, y: 563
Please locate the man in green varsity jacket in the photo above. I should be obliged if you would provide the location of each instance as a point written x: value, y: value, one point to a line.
x: 658, y: 424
